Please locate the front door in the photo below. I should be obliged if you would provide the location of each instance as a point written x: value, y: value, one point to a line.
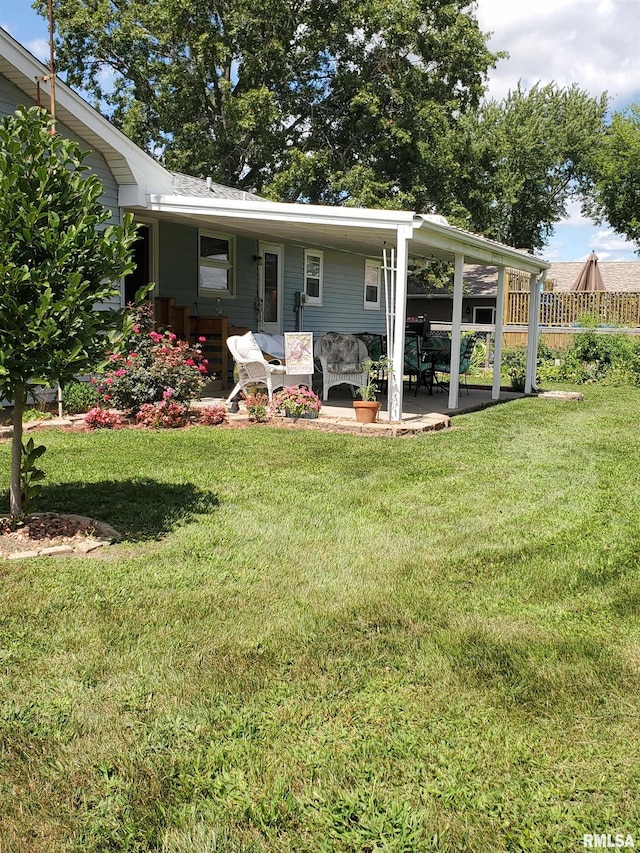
x: 141, y: 276
x: 270, y: 288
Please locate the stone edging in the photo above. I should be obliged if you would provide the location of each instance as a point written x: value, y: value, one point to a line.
x: 562, y: 395
x: 105, y: 536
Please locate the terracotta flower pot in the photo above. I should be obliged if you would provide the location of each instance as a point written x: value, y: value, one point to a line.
x: 366, y: 411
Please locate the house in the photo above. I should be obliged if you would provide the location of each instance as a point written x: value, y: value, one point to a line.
x: 478, y: 297
x: 273, y: 267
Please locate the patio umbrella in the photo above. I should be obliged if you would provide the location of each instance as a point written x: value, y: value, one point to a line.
x: 589, y: 278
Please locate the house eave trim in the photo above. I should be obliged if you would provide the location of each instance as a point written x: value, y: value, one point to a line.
x: 255, y: 209
x: 22, y: 69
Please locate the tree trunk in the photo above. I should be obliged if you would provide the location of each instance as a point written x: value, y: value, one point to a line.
x: 15, y: 496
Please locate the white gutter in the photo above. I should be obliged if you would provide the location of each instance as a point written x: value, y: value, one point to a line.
x: 488, y: 252
x: 274, y: 211
x: 72, y: 109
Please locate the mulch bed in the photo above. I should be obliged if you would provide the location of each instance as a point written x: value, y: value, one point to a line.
x: 36, y: 530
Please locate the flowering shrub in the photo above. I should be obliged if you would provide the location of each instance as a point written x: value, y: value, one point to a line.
x: 296, y: 402
x: 257, y: 406
x: 156, y: 366
x: 98, y: 418
x: 164, y: 415
x: 213, y: 415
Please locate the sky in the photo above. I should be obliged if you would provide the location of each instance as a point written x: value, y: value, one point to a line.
x: 594, y: 43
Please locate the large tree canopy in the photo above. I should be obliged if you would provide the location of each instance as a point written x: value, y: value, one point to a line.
x: 521, y: 160
x: 338, y: 101
x: 616, y: 176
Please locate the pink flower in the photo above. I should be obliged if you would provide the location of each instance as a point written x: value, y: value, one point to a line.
x: 168, y: 393
x: 114, y: 356
x: 133, y: 355
x: 202, y: 339
x: 120, y: 373
x: 172, y: 337
x: 136, y: 330
x: 202, y: 368
x: 189, y: 361
x: 109, y: 380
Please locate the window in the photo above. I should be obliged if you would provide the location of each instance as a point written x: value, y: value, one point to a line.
x: 484, y: 315
x: 216, y: 264
x: 313, y: 270
x: 372, y: 278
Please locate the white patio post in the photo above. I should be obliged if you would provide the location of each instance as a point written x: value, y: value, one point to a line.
x: 405, y: 232
x: 532, y: 338
x: 456, y: 333
x: 497, y: 347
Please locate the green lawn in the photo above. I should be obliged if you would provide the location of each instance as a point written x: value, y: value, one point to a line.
x: 314, y: 642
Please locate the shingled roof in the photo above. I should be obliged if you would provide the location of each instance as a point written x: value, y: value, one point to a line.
x: 618, y: 276
x: 189, y: 186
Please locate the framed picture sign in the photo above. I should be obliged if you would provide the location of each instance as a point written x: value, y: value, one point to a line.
x: 298, y: 352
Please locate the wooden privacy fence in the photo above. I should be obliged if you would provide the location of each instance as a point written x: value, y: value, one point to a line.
x: 568, y: 309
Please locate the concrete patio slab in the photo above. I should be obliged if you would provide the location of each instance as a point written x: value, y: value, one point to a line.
x: 421, y: 413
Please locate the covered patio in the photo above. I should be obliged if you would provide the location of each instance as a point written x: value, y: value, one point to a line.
x: 400, y: 239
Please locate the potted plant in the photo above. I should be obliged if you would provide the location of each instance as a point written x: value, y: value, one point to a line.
x: 367, y: 406
x: 296, y: 402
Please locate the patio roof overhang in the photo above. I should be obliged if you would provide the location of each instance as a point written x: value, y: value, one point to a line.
x: 364, y: 231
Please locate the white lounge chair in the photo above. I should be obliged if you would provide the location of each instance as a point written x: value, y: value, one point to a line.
x: 253, y: 368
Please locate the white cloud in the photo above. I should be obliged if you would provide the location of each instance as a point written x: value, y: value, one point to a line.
x: 593, y: 43
x: 574, y: 218
x: 39, y: 48
x: 610, y: 246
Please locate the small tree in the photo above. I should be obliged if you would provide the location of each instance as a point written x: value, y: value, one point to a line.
x: 58, y: 262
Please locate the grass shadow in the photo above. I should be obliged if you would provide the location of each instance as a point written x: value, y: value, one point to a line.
x: 139, y: 509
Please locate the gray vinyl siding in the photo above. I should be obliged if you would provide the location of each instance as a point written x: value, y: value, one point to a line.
x: 342, y: 308
x: 178, y: 274
x: 343, y: 287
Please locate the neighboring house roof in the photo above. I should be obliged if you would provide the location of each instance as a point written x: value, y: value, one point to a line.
x: 481, y: 281
x: 618, y: 276
x: 201, y: 188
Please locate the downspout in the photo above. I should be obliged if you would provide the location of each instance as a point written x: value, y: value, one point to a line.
x: 532, y: 341
x: 456, y: 333
x: 497, y: 345
x: 404, y: 234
